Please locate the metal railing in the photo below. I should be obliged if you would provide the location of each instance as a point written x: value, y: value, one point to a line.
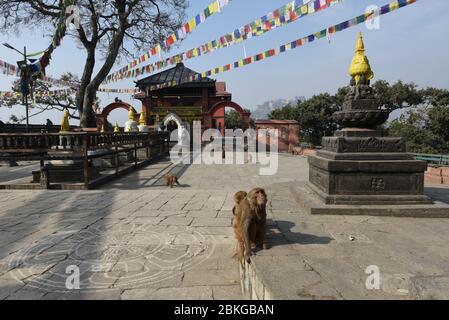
x: 81, y: 146
x: 437, y: 159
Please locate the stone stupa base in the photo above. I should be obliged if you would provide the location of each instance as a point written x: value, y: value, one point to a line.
x: 310, y: 201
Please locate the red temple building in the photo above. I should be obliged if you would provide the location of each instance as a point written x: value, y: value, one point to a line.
x: 178, y: 106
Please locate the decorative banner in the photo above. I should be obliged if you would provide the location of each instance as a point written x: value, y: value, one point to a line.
x: 191, y: 25
x: 286, y: 14
x: 51, y: 93
x: 9, y: 69
x: 109, y: 90
x: 395, y: 5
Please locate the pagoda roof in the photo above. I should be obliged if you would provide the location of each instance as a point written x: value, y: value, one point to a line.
x: 179, y: 73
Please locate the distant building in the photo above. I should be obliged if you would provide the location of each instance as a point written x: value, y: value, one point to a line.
x: 288, y: 131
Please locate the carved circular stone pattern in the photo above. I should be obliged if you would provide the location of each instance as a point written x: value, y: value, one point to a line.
x: 361, y: 118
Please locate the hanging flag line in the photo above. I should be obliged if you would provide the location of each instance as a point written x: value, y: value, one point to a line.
x: 52, y: 93
x: 4, y: 95
x: 9, y: 69
x: 392, y: 6
x: 181, y: 33
x: 285, y: 15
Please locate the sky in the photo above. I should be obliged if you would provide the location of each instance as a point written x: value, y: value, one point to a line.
x: 412, y: 45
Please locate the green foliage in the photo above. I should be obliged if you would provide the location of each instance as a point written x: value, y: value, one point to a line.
x: 425, y: 126
x: 233, y: 120
x: 313, y: 115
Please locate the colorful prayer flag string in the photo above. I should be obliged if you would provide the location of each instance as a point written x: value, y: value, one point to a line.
x: 286, y: 14
x: 188, y: 27
x: 395, y: 5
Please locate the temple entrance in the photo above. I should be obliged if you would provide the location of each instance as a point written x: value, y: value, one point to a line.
x: 235, y: 113
x: 172, y: 122
x: 172, y: 125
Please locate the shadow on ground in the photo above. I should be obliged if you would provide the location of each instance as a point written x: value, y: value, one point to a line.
x: 438, y: 194
x: 280, y: 233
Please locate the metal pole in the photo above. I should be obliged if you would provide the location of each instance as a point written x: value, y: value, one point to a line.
x: 27, y: 88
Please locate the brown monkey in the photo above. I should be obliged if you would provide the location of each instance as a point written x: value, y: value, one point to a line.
x: 250, y: 221
x: 239, y: 196
x: 171, y: 179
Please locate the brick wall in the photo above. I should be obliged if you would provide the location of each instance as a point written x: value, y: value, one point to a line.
x: 437, y: 175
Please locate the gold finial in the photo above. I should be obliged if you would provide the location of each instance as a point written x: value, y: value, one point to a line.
x: 360, y: 64
x: 142, y: 121
x: 102, y: 129
x: 132, y: 114
x: 65, y: 126
x: 116, y: 128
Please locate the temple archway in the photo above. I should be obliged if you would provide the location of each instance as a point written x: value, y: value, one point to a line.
x: 216, y: 115
x: 103, y: 116
x: 174, y: 118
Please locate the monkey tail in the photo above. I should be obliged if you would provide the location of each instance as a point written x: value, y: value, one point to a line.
x: 239, y: 248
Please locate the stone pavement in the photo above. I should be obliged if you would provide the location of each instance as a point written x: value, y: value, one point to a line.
x: 137, y: 239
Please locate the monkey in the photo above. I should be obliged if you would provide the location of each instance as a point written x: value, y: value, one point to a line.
x: 171, y: 179
x: 238, y: 197
x: 250, y: 221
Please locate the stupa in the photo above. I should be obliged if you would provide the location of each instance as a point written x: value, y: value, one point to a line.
x: 361, y: 170
x: 142, y: 123
x: 131, y: 124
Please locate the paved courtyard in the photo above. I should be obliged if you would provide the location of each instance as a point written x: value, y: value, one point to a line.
x: 137, y: 239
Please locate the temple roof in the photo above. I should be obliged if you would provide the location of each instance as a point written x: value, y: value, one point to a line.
x: 179, y: 73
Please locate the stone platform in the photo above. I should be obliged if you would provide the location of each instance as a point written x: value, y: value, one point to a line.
x: 306, y: 196
x: 137, y: 239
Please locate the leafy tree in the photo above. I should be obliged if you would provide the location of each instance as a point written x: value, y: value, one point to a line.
x: 314, y: 116
x: 425, y: 125
x: 426, y: 128
x: 59, y: 100
x: 233, y: 120
x: 110, y: 28
x: 396, y: 96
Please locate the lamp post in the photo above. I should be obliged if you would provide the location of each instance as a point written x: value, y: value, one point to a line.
x: 24, y: 53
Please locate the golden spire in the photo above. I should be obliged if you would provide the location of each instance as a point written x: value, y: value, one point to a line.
x: 360, y: 65
x: 65, y: 126
x: 132, y: 114
x: 142, y: 121
x: 116, y: 128
x: 102, y: 129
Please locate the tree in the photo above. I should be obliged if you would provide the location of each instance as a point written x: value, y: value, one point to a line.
x: 314, y: 116
x: 397, y: 96
x: 47, y: 97
x: 426, y: 128
x: 233, y: 120
x: 111, y: 28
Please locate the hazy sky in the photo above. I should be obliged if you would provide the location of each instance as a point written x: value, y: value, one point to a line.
x: 412, y: 44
